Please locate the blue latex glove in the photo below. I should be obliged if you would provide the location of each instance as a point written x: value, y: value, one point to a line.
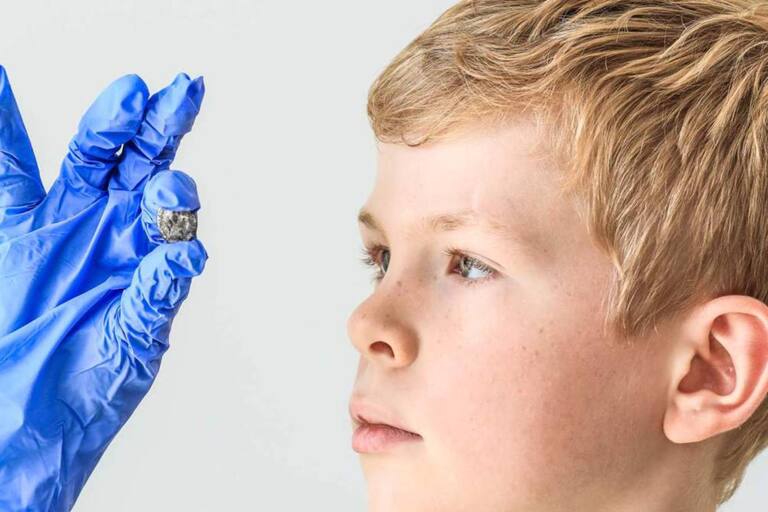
x: 88, y: 286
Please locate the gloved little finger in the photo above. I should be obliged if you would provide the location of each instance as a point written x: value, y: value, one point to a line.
x: 20, y: 185
x: 143, y: 317
x: 169, y: 206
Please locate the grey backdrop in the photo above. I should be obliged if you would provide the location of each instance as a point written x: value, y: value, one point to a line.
x: 249, y: 411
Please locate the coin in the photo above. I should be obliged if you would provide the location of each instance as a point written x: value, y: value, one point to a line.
x: 176, y: 226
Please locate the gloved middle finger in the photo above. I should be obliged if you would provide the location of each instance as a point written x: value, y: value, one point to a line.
x: 169, y: 115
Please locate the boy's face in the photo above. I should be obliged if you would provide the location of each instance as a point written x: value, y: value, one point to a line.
x: 521, y: 401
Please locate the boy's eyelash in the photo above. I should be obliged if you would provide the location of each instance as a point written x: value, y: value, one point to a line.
x: 370, y: 258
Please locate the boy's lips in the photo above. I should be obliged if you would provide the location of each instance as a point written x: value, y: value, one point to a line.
x: 363, y: 411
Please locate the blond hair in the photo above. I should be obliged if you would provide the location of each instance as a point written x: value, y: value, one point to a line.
x: 661, y: 116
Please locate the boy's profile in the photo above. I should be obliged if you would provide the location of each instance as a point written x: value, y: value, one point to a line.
x: 568, y: 229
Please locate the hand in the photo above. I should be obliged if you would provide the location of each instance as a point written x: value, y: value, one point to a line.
x: 89, y: 287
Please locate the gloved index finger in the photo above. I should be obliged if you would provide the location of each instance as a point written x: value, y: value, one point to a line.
x: 169, y: 205
x: 170, y: 114
x: 20, y: 184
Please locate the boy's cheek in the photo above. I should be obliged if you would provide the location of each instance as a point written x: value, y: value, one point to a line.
x: 501, y: 432
x: 531, y: 411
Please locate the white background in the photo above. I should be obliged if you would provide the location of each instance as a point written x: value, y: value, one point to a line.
x: 249, y: 411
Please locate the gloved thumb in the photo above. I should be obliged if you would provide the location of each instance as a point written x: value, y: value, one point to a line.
x: 143, y: 317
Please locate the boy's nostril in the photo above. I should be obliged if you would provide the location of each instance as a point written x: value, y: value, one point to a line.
x: 379, y: 346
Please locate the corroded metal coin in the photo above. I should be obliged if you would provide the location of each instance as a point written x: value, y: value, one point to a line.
x: 176, y: 226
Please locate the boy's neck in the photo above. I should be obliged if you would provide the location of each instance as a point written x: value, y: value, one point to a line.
x: 672, y: 478
x: 678, y: 480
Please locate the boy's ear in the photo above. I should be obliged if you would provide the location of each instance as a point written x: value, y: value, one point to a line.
x: 719, y: 368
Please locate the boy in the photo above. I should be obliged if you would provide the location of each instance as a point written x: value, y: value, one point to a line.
x: 567, y: 227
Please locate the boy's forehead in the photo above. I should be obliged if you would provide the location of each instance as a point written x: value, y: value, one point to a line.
x: 441, y: 222
x: 424, y: 223
x: 489, y: 179
x: 479, y: 143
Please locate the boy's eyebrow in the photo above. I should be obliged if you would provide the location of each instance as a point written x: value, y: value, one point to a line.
x: 447, y: 222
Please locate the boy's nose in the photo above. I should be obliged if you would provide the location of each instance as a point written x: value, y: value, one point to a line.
x: 380, y: 331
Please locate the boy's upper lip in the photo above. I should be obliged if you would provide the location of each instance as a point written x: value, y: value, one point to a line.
x: 363, y: 410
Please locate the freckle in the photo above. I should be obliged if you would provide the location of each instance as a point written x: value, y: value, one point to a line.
x: 524, y: 348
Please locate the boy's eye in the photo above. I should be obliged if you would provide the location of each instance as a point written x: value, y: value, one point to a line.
x: 372, y: 256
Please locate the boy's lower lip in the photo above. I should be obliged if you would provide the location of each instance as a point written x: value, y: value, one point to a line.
x: 376, y: 437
